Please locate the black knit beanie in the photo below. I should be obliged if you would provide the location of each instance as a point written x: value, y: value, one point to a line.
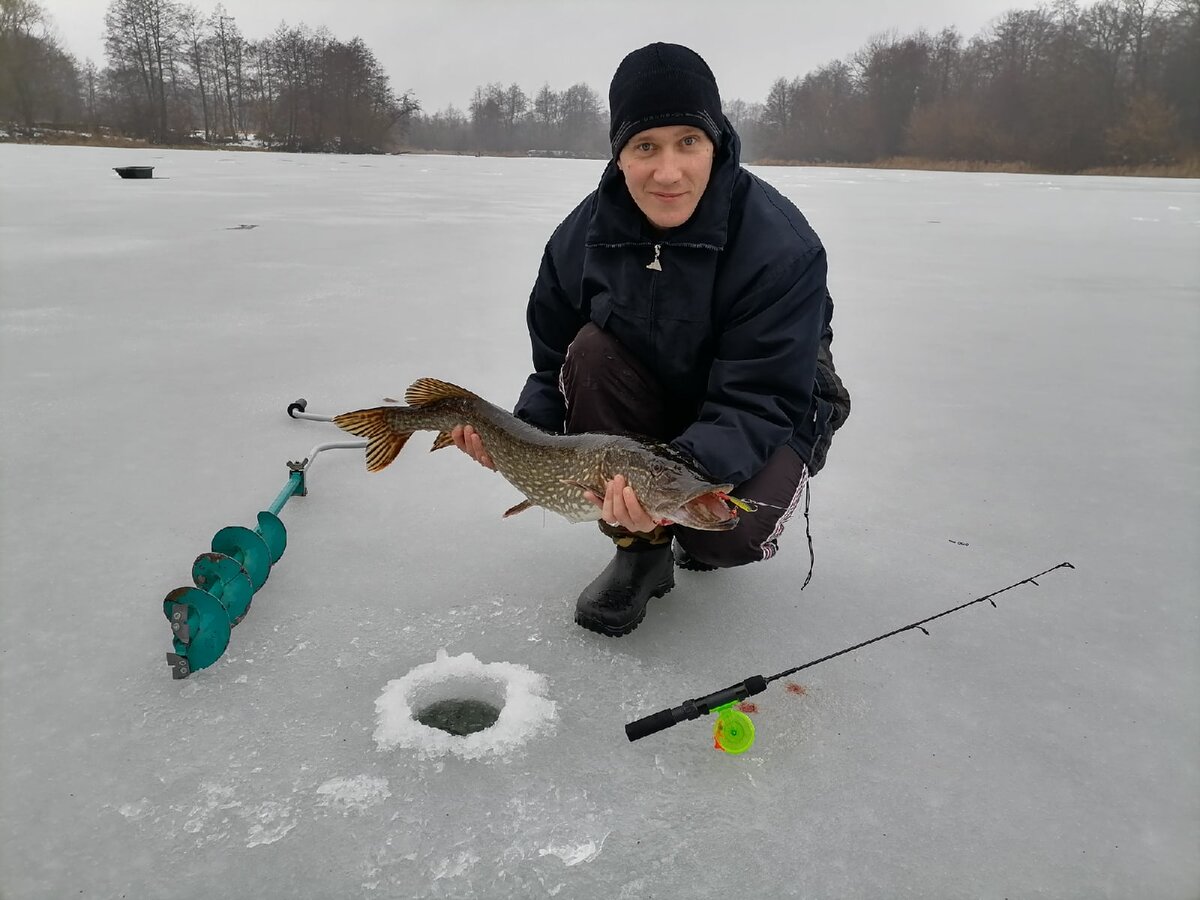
x: 662, y: 84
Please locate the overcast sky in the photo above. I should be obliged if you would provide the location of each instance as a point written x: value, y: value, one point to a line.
x: 442, y: 49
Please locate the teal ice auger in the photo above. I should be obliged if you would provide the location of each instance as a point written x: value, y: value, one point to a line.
x: 733, y: 732
x: 227, y: 578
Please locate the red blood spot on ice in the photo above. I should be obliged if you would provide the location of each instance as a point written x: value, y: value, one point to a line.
x: 748, y: 707
x: 798, y: 689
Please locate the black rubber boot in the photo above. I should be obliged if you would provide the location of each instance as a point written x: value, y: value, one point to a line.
x: 685, y: 560
x: 615, y: 602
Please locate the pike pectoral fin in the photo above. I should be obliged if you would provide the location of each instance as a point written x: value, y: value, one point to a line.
x: 442, y: 440
x: 383, y: 443
x: 519, y: 508
x: 583, y: 487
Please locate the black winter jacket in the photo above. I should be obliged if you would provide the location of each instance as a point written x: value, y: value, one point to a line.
x: 732, y: 326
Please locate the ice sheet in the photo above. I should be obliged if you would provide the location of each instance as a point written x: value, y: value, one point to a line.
x: 1022, y: 356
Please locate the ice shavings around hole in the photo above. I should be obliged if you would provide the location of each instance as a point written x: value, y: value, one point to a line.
x: 525, y: 710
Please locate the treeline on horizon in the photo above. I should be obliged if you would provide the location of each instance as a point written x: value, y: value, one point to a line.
x: 175, y: 75
x: 1058, y: 87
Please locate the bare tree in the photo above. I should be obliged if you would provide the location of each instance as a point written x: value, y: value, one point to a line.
x: 1178, y: 41
x: 1061, y: 85
x: 891, y: 72
x: 583, y: 129
x: 195, y: 34
x: 263, y: 82
x: 39, y: 82
x: 142, y: 40
x: 229, y: 47
x: 90, y: 76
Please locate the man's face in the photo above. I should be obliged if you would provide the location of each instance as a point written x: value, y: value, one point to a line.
x: 666, y: 171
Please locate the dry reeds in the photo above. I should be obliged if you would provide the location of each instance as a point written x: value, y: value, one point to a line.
x: 1188, y: 168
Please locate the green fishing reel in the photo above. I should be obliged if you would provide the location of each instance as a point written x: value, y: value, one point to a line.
x: 733, y: 732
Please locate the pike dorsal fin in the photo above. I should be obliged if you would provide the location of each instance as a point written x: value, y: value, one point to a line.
x: 424, y: 391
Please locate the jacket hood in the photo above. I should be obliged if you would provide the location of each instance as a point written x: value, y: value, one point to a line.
x: 616, y: 219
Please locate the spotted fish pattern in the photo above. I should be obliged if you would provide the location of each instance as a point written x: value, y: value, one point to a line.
x: 551, y: 470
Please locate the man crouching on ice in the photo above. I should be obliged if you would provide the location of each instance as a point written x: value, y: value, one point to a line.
x: 685, y: 300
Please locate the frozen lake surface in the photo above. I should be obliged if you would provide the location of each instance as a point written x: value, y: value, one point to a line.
x: 1022, y: 353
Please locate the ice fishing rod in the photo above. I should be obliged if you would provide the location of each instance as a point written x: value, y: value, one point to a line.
x: 733, y: 731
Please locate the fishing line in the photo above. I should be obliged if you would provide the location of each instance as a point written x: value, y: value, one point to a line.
x: 758, y: 503
x: 756, y: 684
x: 812, y: 556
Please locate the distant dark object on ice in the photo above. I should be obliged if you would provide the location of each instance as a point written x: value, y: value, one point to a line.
x: 135, y: 171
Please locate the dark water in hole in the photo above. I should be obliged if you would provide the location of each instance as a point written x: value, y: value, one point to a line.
x: 459, y: 716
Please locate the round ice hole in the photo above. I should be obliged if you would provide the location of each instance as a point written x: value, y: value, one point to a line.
x: 459, y: 705
x: 458, y: 716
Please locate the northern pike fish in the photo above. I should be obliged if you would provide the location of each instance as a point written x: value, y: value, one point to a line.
x: 552, y: 471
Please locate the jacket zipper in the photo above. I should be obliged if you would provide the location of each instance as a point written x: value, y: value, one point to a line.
x: 655, y: 265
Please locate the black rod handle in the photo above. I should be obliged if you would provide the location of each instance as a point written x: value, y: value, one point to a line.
x: 659, y: 721
x: 693, y: 709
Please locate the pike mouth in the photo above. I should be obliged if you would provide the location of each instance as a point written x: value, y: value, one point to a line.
x: 709, y: 511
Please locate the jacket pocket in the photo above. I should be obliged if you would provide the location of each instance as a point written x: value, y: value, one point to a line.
x: 601, y: 306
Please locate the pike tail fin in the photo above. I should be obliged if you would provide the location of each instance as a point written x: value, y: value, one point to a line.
x: 383, y: 442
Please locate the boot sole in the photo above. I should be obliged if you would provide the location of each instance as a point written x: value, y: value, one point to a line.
x: 599, y: 627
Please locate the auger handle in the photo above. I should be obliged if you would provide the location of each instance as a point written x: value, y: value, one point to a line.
x: 693, y: 709
x: 297, y: 409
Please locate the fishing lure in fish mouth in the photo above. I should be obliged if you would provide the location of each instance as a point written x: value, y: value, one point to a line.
x: 744, y: 505
x: 711, y: 511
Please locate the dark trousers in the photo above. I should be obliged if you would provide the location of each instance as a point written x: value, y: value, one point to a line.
x: 608, y: 390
